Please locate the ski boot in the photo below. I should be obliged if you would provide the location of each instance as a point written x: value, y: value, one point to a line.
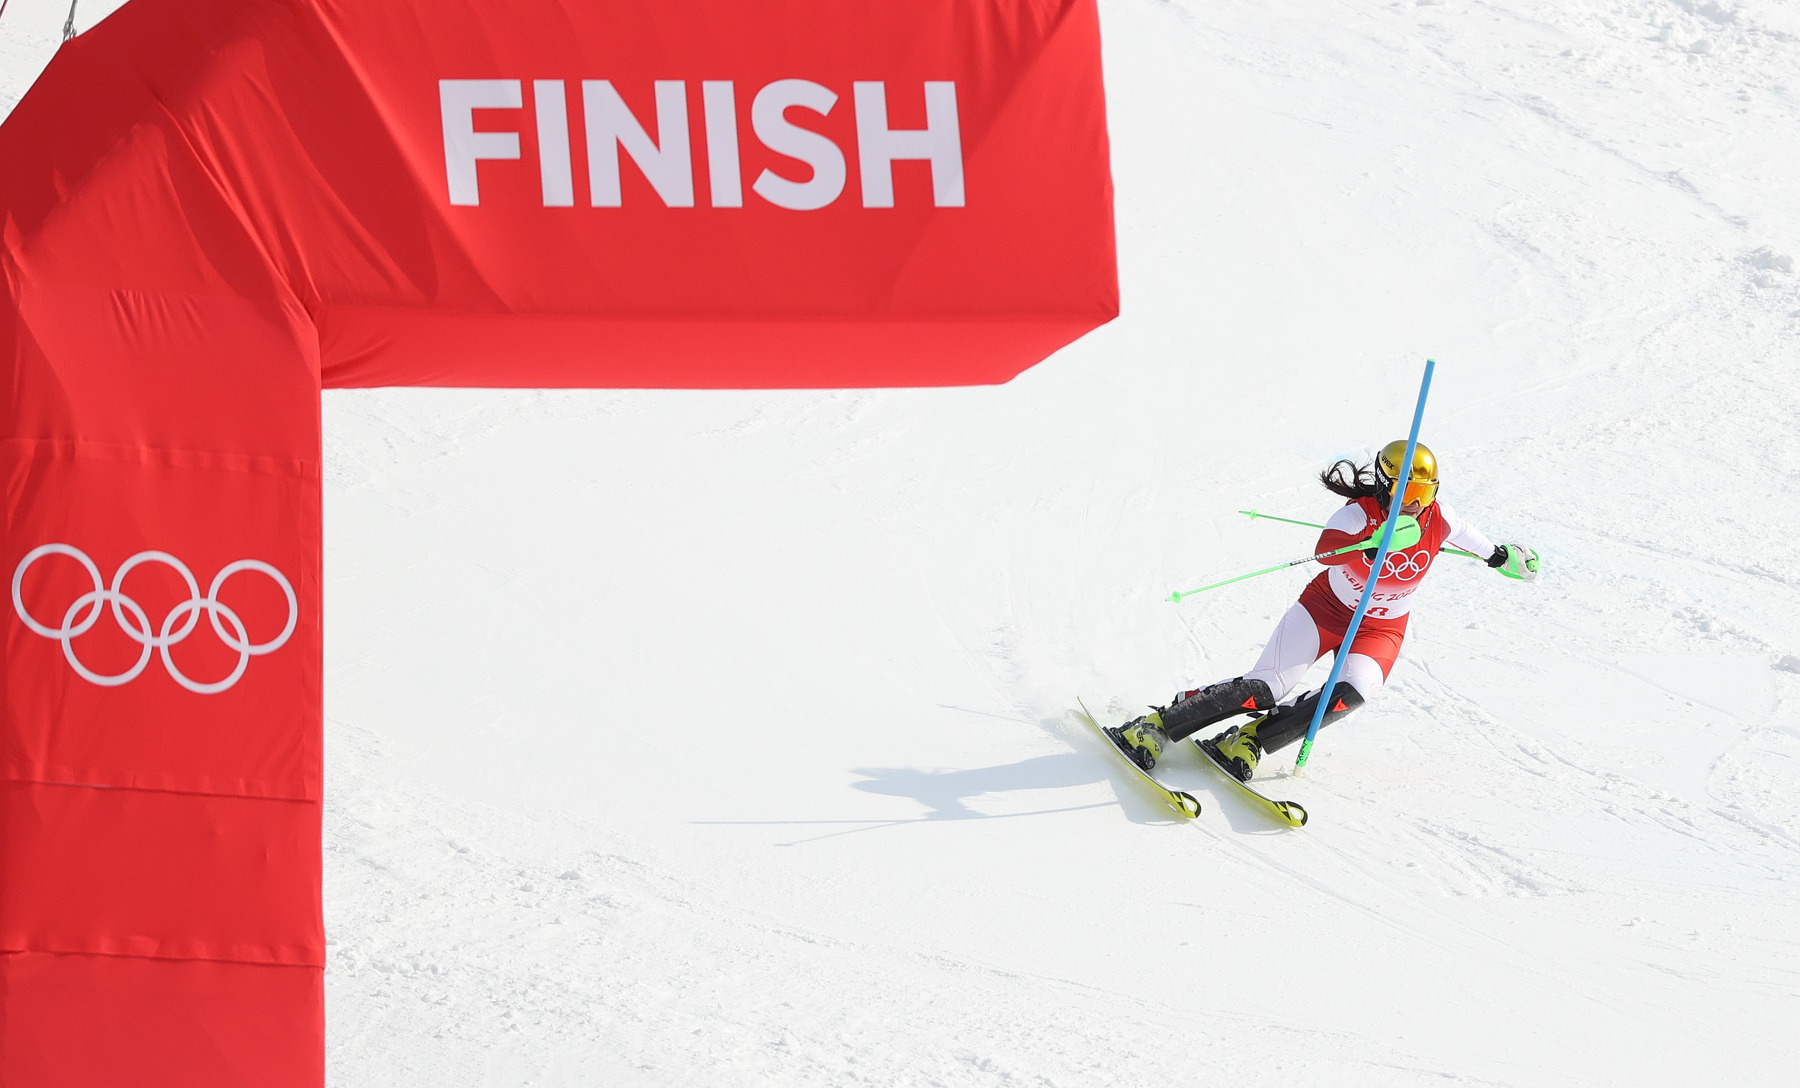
x: 1195, y: 710
x: 1239, y: 750
x: 1142, y: 739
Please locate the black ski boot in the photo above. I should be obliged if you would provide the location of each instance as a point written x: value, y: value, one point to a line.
x: 1195, y: 710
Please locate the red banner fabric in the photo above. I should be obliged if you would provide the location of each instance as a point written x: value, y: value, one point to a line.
x: 124, y: 1021
x: 212, y: 209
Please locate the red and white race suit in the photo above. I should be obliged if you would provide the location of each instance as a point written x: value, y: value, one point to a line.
x: 1315, y: 625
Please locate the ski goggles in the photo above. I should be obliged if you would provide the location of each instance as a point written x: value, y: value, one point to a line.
x: 1423, y: 492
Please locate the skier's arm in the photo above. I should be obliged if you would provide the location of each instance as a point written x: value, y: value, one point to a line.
x: 1461, y: 534
x: 1512, y: 560
x: 1352, y: 528
x: 1346, y: 527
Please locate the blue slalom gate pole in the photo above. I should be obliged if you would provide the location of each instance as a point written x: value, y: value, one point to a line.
x: 1381, y: 553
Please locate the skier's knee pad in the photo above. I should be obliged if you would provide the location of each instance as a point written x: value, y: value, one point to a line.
x: 1344, y: 699
x: 1216, y: 702
x: 1289, y: 723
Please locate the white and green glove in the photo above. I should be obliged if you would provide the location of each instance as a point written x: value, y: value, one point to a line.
x: 1515, y: 561
x: 1406, y: 534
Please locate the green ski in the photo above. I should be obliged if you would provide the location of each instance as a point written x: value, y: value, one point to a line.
x: 1286, y: 811
x: 1182, y: 803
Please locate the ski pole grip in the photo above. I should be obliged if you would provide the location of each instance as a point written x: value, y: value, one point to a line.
x: 1406, y: 534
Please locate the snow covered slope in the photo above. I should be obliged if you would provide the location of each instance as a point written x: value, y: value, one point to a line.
x: 722, y: 738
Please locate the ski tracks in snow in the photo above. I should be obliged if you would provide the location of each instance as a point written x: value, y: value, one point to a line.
x: 474, y: 947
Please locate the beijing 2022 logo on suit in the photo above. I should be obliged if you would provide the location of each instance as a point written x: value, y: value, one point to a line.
x: 180, y: 622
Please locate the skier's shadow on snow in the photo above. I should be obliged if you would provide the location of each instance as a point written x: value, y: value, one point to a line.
x: 945, y: 793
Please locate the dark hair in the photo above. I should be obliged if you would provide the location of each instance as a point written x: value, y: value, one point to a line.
x: 1353, y: 481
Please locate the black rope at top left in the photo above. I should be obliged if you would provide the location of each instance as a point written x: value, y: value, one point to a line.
x: 69, y: 26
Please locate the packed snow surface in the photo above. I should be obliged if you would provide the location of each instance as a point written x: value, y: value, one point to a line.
x: 724, y: 738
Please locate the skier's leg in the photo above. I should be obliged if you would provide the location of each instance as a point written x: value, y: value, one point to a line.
x: 1291, y: 650
x: 1289, y: 723
x: 1371, y: 658
x: 1145, y: 739
x: 1365, y: 674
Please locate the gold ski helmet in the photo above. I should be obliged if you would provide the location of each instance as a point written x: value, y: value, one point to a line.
x: 1421, y: 483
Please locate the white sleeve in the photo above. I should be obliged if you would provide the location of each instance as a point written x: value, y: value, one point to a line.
x: 1463, y: 535
x: 1349, y: 519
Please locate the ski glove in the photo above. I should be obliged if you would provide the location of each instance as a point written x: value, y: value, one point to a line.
x: 1515, y: 561
x: 1406, y: 534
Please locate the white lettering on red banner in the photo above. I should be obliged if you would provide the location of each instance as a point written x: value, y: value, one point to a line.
x: 458, y: 100
x: 666, y: 158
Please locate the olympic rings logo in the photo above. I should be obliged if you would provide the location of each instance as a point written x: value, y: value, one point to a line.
x: 176, y: 626
x: 1405, y: 566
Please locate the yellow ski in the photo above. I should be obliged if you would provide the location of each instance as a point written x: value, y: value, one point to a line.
x: 1182, y: 803
x: 1286, y: 811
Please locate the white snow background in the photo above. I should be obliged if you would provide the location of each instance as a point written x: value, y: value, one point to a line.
x: 723, y: 738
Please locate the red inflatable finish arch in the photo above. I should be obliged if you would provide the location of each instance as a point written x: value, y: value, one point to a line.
x: 212, y: 209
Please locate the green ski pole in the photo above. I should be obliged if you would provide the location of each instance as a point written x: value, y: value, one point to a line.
x: 1179, y: 594
x: 1255, y: 514
x: 1361, y: 545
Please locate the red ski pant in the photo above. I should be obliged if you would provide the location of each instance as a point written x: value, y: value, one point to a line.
x: 1310, y: 629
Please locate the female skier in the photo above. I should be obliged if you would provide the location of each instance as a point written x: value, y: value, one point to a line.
x: 1314, y: 626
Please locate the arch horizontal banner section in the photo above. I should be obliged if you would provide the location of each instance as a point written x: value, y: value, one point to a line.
x: 685, y: 193
x: 212, y: 209
x: 842, y: 194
